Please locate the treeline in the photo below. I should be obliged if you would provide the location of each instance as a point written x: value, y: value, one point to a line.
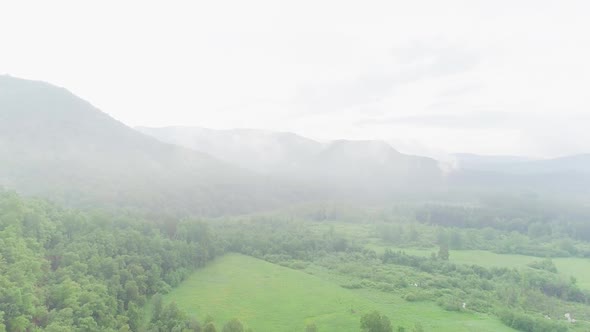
x: 528, y: 293
x: 522, y: 299
x: 273, y: 238
x: 535, y: 217
x: 66, y: 270
x: 544, y: 279
x: 498, y: 241
x: 169, y: 318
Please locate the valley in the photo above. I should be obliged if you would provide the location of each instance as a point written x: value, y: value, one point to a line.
x: 104, y: 227
x: 270, y: 297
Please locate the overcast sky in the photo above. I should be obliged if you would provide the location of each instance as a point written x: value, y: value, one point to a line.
x: 490, y: 77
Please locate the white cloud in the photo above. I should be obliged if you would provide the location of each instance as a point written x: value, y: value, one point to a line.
x: 321, y: 67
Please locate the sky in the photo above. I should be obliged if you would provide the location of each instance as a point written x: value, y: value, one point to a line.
x: 430, y: 77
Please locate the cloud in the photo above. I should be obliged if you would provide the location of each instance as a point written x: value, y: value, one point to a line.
x: 457, y: 75
x: 380, y: 80
x: 476, y: 119
x: 519, y: 133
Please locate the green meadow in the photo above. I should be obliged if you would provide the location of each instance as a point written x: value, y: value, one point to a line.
x: 269, y: 297
x: 567, y: 267
x: 578, y: 268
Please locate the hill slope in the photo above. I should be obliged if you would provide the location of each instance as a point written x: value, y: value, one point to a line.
x: 563, y: 176
x: 55, y: 144
x: 258, y: 150
x: 342, y: 167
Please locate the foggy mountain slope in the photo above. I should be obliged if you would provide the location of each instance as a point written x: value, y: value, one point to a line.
x: 57, y: 145
x: 569, y: 164
x: 523, y: 165
x: 566, y: 175
x: 486, y: 162
x: 373, y: 166
x: 257, y: 150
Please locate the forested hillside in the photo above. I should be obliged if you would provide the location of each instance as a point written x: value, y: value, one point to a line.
x: 65, y: 270
x: 57, y: 145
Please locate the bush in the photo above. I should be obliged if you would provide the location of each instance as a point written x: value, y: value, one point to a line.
x: 527, y: 323
x: 546, y: 264
x: 450, y: 303
x: 354, y: 285
x: 233, y: 325
x: 375, y: 322
x: 417, y: 295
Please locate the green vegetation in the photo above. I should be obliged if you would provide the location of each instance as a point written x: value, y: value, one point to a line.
x: 269, y: 297
x: 576, y: 268
x: 70, y: 270
x: 64, y: 270
x: 375, y: 322
x: 389, y: 252
x: 145, y: 236
x: 530, y: 293
x: 567, y: 267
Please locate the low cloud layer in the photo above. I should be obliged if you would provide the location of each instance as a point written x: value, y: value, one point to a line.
x: 462, y: 76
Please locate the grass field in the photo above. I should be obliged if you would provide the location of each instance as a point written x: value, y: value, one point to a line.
x: 268, y: 297
x: 576, y: 267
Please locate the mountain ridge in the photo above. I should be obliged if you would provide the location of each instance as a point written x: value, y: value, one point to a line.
x: 57, y: 145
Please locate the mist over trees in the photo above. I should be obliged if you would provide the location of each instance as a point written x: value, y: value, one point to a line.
x: 99, y: 222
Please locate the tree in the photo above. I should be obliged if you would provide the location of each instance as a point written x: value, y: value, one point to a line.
x: 194, y: 325
x: 443, y: 252
x: 19, y: 324
x: 375, y: 322
x: 456, y: 240
x: 172, y: 317
x: 209, y: 319
x: 134, y: 314
x: 233, y: 325
x: 418, y: 328
x: 158, y: 307
x: 311, y: 328
x: 2, y: 326
x: 209, y: 327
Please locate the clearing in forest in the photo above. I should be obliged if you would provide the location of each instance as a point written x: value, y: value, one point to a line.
x: 269, y: 297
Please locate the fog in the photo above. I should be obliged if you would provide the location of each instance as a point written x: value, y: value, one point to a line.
x: 237, y: 166
x: 422, y: 76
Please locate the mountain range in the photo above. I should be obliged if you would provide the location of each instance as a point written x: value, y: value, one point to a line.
x: 54, y: 144
x: 362, y: 164
x: 258, y: 150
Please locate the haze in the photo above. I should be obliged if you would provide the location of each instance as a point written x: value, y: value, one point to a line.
x: 290, y: 166
x: 429, y: 77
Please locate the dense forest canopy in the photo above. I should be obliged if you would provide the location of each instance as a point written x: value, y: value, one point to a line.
x: 67, y: 270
